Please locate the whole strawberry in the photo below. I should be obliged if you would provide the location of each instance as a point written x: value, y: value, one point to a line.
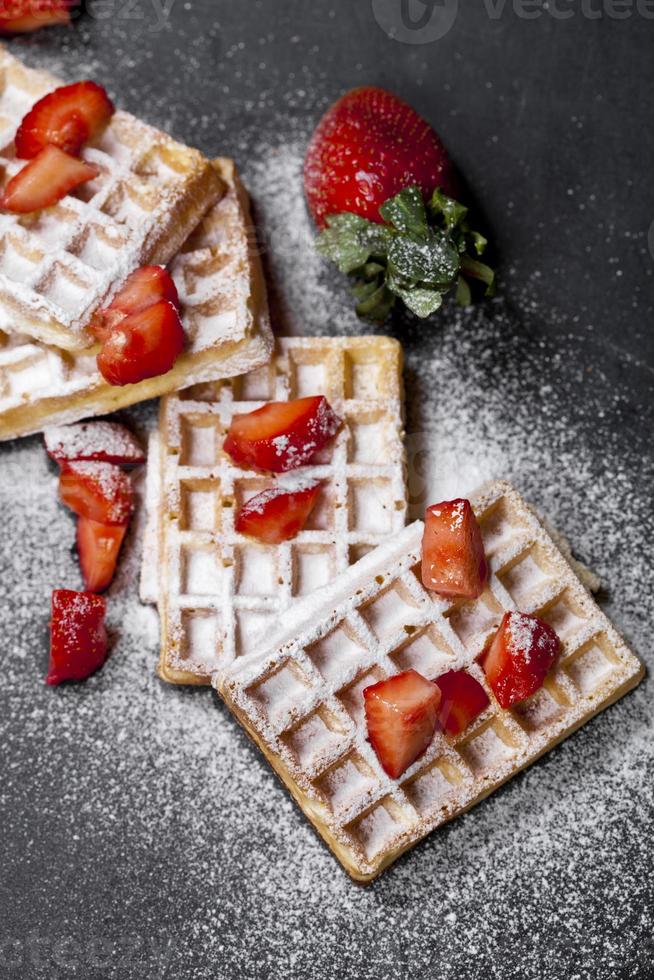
x: 368, y: 147
x: 381, y: 186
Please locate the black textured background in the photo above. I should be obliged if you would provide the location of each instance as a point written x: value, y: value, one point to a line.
x: 132, y: 846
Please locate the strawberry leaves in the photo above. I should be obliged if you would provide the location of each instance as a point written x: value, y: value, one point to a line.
x: 421, y: 252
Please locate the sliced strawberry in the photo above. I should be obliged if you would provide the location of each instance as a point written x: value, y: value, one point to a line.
x: 519, y: 657
x: 453, y: 559
x: 98, y: 546
x: 45, y: 180
x: 368, y: 147
x: 103, y: 442
x: 462, y: 700
x: 99, y: 491
x: 401, y: 713
x: 282, y: 435
x: 78, y: 638
x: 66, y: 118
x: 143, y: 345
x: 24, y: 16
x: 144, y: 288
x: 277, y: 514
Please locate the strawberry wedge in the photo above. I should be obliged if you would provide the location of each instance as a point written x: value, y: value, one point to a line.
x: 462, y: 700
x: 401, y: 714
x: 282, y: 435
x: 100, y: 442
x: 99, y: 491
x: 98, y: 546
x: 25, y: 16
x: 143, y: 288
x: 66, y: 118
x: 78, y: 638
x: 277, y: 514
x: 45, y: 180
x: 143, y: 345
x: 517, y: 660
x: 453, y: 559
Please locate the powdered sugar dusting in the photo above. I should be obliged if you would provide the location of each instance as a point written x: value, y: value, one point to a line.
x: 160, y: 786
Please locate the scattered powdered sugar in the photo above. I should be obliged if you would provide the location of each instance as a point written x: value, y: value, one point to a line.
x: 187, y: 841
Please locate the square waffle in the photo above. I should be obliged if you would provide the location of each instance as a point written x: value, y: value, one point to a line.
x: 217, y: 589
x: 59, y: 265
x: 299, y: 696
x: 223, y: 307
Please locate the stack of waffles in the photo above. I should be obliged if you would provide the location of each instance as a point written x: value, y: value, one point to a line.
x: 154, y: 201
x: 289, y: 634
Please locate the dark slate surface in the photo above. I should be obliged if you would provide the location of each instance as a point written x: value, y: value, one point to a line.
x: 142, y: 835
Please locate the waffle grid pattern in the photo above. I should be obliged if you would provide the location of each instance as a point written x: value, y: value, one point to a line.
x: 60, y: 264
x: 219, y: 588
x: 225, y: 316
x: 303, y: 702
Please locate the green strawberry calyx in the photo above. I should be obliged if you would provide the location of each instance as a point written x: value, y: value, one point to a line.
x: 421, y: 252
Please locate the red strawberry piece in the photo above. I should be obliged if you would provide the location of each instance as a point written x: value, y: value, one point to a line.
x: 24, y: 16
x: 98, y: 546
x: 368, y: 147
x: 78, y: 638
x: 45, y: 180
x: 282, y: 435
x: 277, y: 514
x: 462, y: 700
x: 519, y: 657
x: 453, y: 560
x: 401, y: 714
x: 66, y: 118
x: 103, y: 442
x: 99, y: 491
x: 143, y: 288
x: 143, y: 345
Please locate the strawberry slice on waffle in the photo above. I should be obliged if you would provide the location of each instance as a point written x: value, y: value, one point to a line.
x: 277, y: 514
x: 519, y: 656
x: 66, y: 118
x: 48, y: 177
x: 462, y: 700
x: 401, y: 714
x: 282, y: 436
x: 141, y: 332
x: 453, y: 559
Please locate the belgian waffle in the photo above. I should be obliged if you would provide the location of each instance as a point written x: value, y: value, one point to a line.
x: 217, y: 589
x: 225, y: 314
x: 59, y: 265
x: 299, y: 695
